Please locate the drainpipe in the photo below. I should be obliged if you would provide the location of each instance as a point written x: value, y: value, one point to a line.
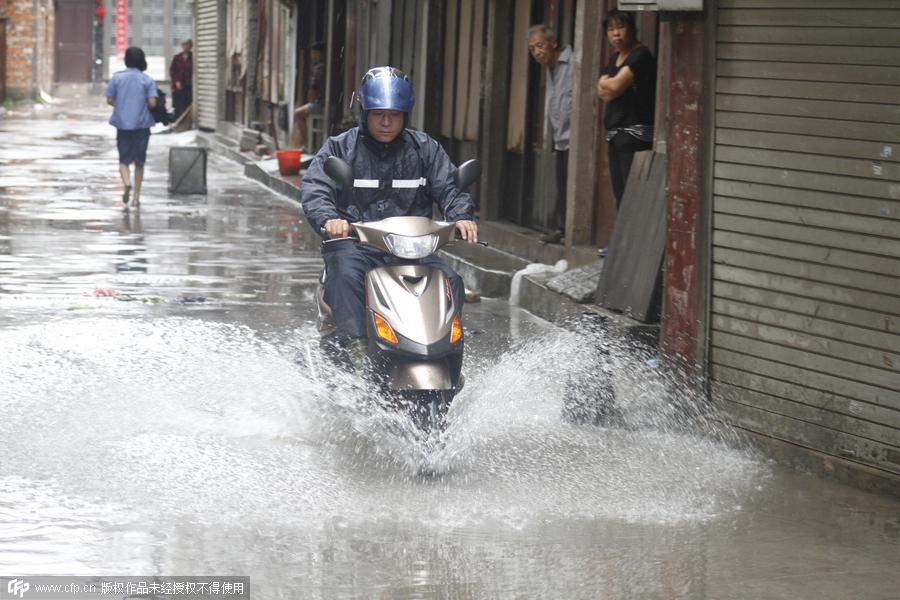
x: 35, y: 84
x: 252, y: 55
x: 329, y: 69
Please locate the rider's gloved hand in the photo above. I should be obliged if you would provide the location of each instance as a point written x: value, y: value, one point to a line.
x: 336, y: 228
x: 468, y: 230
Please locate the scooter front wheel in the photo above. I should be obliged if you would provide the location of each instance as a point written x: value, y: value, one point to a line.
x: 427, y: 408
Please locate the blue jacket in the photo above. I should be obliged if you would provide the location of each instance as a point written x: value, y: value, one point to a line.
x: 402, y: 178
x: 130, y: 89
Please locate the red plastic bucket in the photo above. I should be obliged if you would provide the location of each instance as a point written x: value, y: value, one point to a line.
x: 289, y: 161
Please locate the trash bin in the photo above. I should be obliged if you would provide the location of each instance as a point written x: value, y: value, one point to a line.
x: 187, y: 170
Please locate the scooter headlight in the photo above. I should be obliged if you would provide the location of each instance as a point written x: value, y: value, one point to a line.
x: 406, y: 246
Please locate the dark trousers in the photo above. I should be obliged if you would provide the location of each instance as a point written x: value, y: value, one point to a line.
x: 621, y: 154
x: 132, y: 146
x: 181, y: 100
x: 346, y: 265
x: 562, y: 170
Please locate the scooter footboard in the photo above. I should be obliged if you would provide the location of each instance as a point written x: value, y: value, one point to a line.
x: 420, y: 375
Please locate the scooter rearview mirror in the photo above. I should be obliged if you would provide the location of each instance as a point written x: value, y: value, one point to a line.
x: 340, y: 171
x: 467, y: 173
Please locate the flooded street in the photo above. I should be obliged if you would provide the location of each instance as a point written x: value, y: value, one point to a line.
x: 160, y: 417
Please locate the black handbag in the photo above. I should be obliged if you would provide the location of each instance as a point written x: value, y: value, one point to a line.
x: 159, y: 112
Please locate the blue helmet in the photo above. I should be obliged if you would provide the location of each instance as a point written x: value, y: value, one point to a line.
x: 386, y: 88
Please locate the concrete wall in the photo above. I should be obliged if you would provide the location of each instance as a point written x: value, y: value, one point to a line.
x: 30, y: 42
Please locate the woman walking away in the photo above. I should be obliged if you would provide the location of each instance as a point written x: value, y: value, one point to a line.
x: 132, y: 94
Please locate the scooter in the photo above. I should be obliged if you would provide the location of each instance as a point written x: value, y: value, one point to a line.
x: 414, y: 327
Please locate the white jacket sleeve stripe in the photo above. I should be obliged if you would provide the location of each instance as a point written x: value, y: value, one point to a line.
x: 365, y: 183
x: 408, y: 183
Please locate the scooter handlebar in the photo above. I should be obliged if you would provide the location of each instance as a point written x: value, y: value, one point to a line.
x: 457, y: 237
x: 355, y: 236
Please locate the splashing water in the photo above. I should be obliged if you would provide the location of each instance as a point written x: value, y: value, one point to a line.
x: 180, y: 423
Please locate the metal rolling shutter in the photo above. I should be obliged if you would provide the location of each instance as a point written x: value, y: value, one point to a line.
x: 805, y: 308
x: 207, y: 63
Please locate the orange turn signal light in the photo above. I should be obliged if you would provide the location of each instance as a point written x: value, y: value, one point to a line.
x: 456, y: 330
x: 384, y: 330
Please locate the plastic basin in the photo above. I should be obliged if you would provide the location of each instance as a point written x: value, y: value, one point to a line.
x: 288, y: 161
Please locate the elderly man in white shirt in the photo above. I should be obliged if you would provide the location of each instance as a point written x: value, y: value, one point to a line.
x: 544, y: 48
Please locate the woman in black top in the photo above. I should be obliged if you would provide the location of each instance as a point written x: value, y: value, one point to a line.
x: 628, y: 86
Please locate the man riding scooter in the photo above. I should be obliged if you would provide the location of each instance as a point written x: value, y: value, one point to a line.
x: 397, y: 172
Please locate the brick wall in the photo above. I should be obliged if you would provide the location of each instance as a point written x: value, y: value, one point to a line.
x: 29, y: 46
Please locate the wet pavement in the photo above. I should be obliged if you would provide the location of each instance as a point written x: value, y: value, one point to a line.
x: 160, y: 417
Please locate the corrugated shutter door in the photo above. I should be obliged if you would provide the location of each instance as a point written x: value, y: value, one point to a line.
x: 206, y: 69
x: 805, y: 321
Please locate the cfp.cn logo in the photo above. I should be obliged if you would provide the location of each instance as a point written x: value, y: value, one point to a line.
x: 17, y: 587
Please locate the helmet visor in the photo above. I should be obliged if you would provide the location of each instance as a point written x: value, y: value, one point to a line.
x: 383, y: 89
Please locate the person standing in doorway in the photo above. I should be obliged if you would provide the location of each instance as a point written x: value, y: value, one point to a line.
x: 300, y: 130
x: 132, y: 93
x: 181, y: 74
x: 544, y: 48
x: 628, y: 87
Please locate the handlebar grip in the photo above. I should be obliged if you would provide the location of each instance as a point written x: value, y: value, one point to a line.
x: 457, y: 237
x: 351, y: 236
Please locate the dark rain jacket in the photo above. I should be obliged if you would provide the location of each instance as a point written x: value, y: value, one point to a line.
x: 402, y: 178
